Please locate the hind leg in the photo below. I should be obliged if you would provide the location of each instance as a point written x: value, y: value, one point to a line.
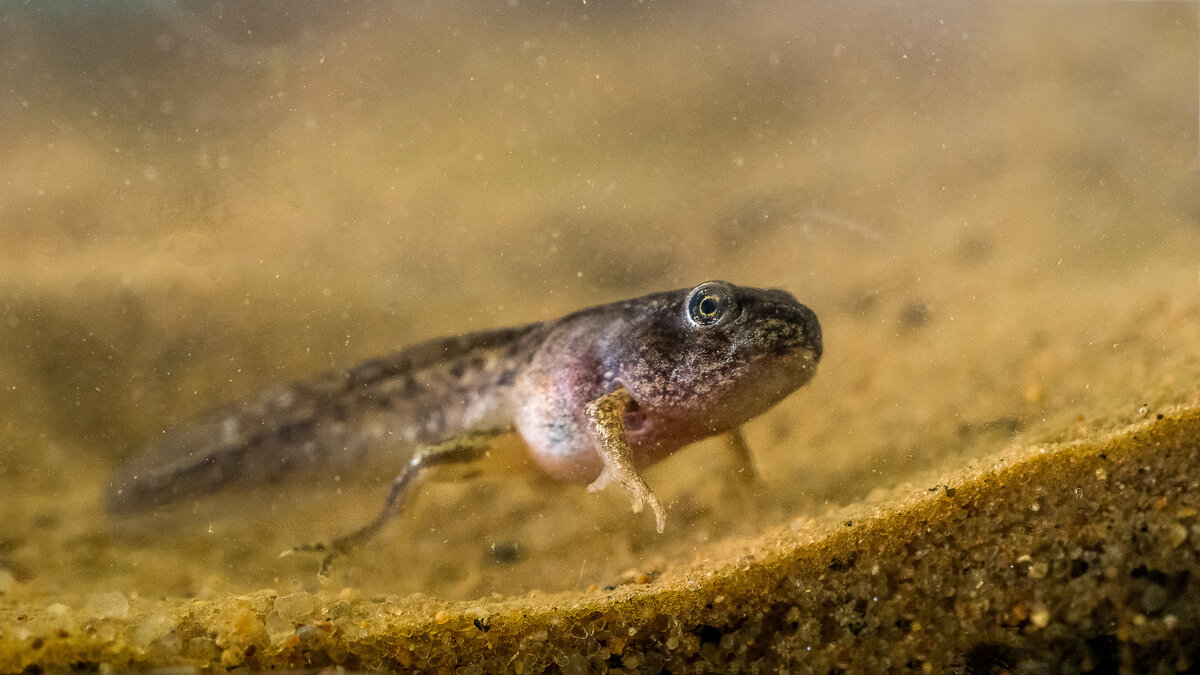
x: 461, y: 449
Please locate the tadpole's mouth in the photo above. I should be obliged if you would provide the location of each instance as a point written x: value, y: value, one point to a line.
x: 812, y: 330
x: 802, y: 335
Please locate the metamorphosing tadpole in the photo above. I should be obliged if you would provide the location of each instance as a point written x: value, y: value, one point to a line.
x: 596, y: 396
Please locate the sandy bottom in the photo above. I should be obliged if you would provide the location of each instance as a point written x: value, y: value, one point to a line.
x: 993, y: 212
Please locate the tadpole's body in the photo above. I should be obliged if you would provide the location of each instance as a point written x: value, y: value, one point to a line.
x: 596, y: 395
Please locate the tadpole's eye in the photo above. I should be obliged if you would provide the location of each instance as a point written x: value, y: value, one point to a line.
x: 711, y: 303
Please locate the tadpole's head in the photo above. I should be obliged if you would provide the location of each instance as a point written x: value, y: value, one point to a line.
x: 717, y: 355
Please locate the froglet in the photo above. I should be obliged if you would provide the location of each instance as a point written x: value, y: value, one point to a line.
x: 596, y: 396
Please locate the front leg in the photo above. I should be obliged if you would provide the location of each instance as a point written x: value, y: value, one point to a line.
x: 606, y: 422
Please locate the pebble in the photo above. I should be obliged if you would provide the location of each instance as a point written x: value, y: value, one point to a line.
x: 112, y: 605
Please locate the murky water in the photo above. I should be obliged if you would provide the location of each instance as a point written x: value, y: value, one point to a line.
x: 992, y: 209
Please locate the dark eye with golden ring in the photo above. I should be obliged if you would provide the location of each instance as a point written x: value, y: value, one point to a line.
x: 711, y: 303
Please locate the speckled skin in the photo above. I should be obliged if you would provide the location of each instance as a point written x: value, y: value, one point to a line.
x: 685, y: 382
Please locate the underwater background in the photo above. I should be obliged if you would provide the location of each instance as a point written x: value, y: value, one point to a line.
x: 993, y: 209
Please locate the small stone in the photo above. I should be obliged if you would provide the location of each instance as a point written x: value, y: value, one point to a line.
x: 295, y: 607
x: 58, y: 610
x: 150, y: 629
x: 203, y: 649
x: 166, y: 646
x: 232, y: 657
x: 1040, y: 618
x: 1154, y: 598
x: 1038, y: 570
x: 107, y: 605
x: 1176, y: 535
x: 279, y: 628
x: 576, y: 664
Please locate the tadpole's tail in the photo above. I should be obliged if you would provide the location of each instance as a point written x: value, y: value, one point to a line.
x: 253, y: 442
x: 325, y: 424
